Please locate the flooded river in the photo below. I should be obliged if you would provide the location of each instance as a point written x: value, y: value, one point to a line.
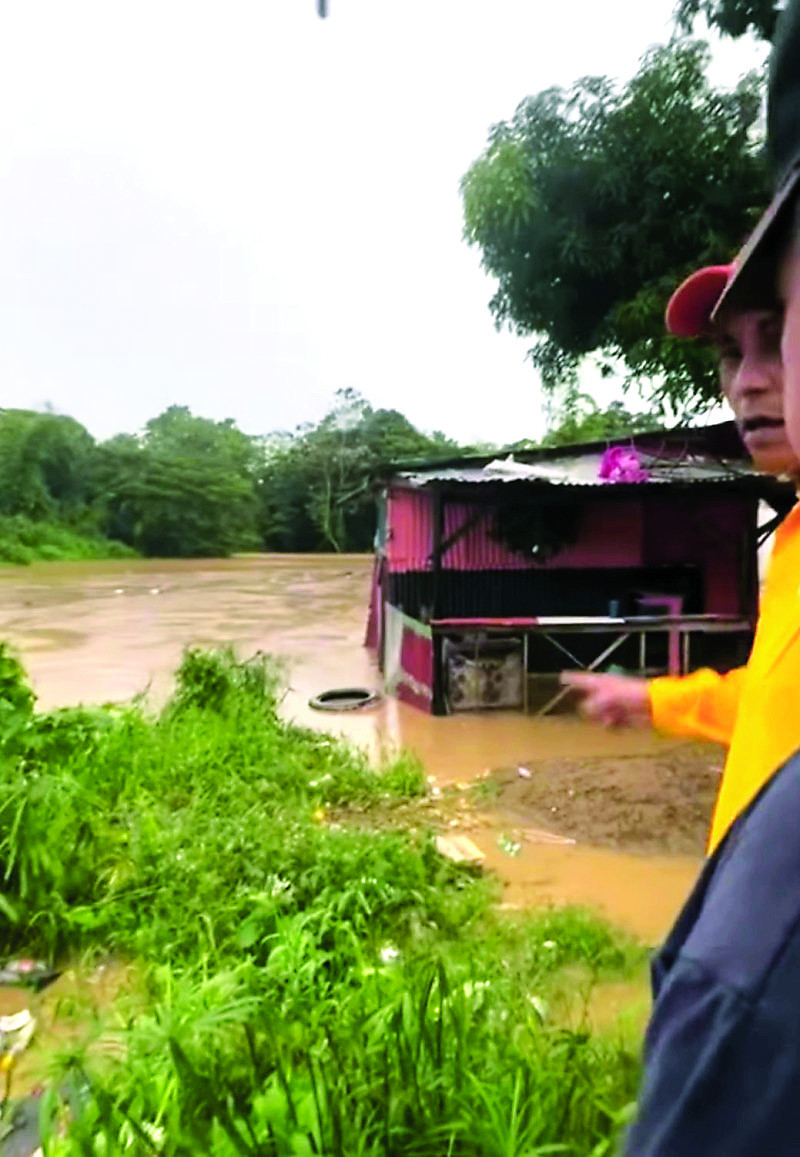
x: 100, y: 631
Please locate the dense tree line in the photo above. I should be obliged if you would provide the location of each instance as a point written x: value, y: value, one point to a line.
x: 189, y: 486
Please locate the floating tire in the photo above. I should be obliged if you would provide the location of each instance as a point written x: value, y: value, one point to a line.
x: 344, y: 699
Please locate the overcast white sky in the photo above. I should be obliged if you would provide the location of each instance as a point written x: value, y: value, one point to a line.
x: 240, y: 207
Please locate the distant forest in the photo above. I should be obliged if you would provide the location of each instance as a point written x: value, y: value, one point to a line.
x: 188, y: 486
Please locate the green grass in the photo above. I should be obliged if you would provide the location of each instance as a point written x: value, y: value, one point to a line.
x: 311, y: 987
x: 24, y: 540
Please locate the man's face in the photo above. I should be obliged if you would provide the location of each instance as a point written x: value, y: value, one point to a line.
x: 789, y: 293
x: 751, y: 377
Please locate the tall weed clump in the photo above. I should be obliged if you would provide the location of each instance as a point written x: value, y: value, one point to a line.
x: 314, y: 987
x: 166, y: 836
x: 413, y: 1058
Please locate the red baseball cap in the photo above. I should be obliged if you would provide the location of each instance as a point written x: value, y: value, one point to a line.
x: 690, y: 308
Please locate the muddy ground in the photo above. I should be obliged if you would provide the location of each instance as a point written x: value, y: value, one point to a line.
x: 655, y: 803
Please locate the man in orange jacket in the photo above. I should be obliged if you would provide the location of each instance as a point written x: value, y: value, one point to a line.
x: 752, y: 710
x: 722, y: 1048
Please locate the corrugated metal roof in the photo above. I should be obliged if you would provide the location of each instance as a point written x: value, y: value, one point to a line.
x: 717, y: 441
x: 584, y: 470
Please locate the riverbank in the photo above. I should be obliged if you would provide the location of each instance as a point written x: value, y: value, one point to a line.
x: 104, y: 631
x: 283, y: 970
x: 25, y: 540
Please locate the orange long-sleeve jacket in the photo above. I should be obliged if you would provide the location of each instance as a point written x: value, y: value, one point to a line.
x: 754, y: 710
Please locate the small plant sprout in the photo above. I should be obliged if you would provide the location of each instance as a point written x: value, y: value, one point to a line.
x: 509, y: 846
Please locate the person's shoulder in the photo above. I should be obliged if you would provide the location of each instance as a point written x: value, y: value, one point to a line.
x: 726, y: 1020
x: 750, y: 903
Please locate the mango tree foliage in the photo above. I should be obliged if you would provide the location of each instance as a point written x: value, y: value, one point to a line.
x: 732, y: 17
x: 590, y: 205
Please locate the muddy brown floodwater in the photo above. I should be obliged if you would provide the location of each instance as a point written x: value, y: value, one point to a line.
x: 94, y: 632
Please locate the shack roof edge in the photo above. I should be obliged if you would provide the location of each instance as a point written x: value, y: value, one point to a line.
x: 719, y: 440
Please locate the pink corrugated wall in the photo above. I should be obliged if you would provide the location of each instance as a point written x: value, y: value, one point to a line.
x: 416, y: 659
x: 710, y: 532
x: 409, y: 526
x: 612, y: 536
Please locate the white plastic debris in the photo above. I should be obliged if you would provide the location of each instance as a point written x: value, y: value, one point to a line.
x: 15, y: 1021
x: 15, y: 1035
x: 459, y: 849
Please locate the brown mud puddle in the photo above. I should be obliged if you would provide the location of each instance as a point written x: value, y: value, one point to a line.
x: 642, y: 894
x: 82, y: 1009
x: 638, y: 892
x: 617, y: 1008
x: 95, y: 632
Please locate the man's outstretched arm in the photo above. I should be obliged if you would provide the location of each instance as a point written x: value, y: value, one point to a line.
x: 702, y: 705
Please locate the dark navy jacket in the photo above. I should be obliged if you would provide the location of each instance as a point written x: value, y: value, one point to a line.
x: 722, y: 1052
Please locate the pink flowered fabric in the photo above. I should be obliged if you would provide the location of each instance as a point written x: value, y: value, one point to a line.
x: 621, y: 464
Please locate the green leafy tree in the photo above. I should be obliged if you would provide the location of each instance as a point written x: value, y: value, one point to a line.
x: 186, y: 488
x: 591, y: 204
x: 179, y: 432
x: 187, y: 507
x: 339, y: 458
x: 117, y: 466
x: 579, y: 419
x: 732, y: 17
x: 46, y: 463
x: 189, y: 486
x: 315, y: 492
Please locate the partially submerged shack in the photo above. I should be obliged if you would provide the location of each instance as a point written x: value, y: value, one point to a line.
x: 643, y: 554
